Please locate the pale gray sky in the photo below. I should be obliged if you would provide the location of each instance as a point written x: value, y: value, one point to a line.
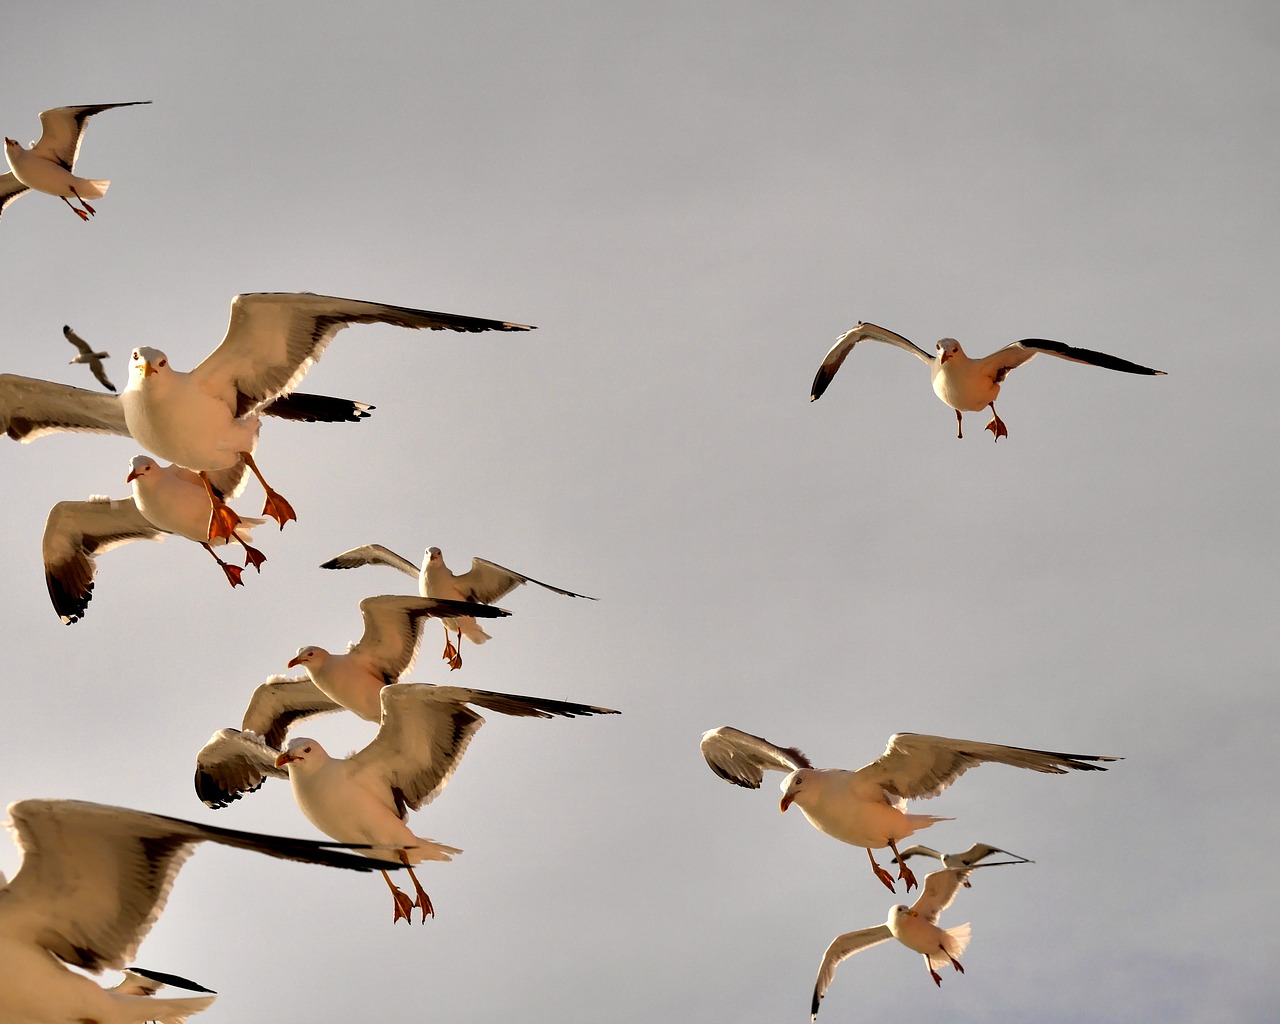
x: 692, y: 202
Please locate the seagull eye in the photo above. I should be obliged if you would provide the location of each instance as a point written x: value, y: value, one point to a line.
x: 306, y: 750
x: 163, y: 362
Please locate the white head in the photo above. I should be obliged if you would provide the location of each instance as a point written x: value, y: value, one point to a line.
x: 793, y: 788
x: 302, y: 753
x: 144, y: 362
x: 312, y: 657
x: 948, y: 348
x: 140, y: 466
x: 434, y: 555
x: 896, y: 914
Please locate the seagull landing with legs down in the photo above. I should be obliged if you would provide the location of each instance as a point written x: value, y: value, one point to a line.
x: 47, y: 166
x: 485, y: 582
x: 916, y: 927
x: 967, y: 385
x: 867, y: 807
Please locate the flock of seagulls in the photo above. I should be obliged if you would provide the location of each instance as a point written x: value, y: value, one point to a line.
x: 94, y: 879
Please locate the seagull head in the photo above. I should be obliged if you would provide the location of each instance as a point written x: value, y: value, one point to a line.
x: 791, y: 788
x: 139, y: 466
x: 896, y: 914
x: 299, y: 750
x: 316, y: 656
x: 11, y: 143
x: 146, y: 361
x: 434, y: 555
x: 948, y: 348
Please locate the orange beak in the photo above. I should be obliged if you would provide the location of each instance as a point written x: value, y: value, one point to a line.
x: 283, y: 759
x: 785, y: 802
x: 133, y: 475
x: 294, y: 662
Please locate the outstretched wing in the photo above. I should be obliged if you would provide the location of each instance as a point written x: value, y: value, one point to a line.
x: 487, y: 581
x: 274, y: 337
x: 915, y: 766
x: 842, y: 947
x: 844, y: 345
x: 75, y: 533
x: 10, y: 189
x: 1000, y: 362
x: 742, y: 758
x: 63, y: 128
x: 371, y: 554
x: 31, y: 408
x: 233, y: 763
x: 940, y: 888
x: 393, y: 627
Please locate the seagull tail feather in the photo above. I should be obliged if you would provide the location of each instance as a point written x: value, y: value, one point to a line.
x: 956, y: 942
x: 93, y: 188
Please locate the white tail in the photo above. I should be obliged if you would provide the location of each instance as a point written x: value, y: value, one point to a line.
x: 955, y: 941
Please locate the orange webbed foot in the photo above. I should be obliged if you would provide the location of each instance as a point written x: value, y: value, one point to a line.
x: 997, y: 427
x: 403, y: 906
x: 254, y: 557
x: 278, y: 508
x: 234, y: 573
x: 906, y: 874
x: 937, y: 978
x: 222, y: 522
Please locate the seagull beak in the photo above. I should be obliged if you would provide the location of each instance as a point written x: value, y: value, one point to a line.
x: 785, y: 802
x: 133, y: 475
x: 284, y: 759
x: 147, y: 369
x: 294, y: 662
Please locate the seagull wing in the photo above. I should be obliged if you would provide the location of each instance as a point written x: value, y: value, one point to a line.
x: 1000, y: 362
x: 487, y: 581
x: 10, y: 189
x: 393, y: 627
x: 371, y: 554
x: 139, y: 981
x: 63, y: 128
x: 74, y: 534
x: 981, y: 851
x: 940, y: 888
x: 742, y: 759
x: 915, y: 766
x: 233, y: 763
x: 95, y: 878
x: 274, y: 337
x: 424, y: 733
x: 844, y: 345
x: 842, y: 947
x: 31, y: 408
x: 91, y: 358
x: 280, y: 703
x: 306, y: 408
x: 916, y: 851
x: 80, y: 344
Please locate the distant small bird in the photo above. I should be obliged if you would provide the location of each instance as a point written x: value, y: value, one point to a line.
x: 93, y: 882
x: 47, y: 165
x: 966, y: 858
x: 484, y: 582
x: 867, y: 807
x: 89, y: 357
x: 916, y: 927
x: 967, y: 385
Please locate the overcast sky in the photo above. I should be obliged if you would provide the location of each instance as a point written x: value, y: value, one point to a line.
x: 692, y: 201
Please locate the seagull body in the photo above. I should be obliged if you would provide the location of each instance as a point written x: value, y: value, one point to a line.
x: 86, y: 356
x: 867, y: 807
x: 47, y: 166
x: 423, y: 734
x: 967, y: 385
x: 916, y: 927
x: 384, y: 653
x: 207, y: 419
x: 485, y: 582
x: 94, y: 879
x: 969, y: 858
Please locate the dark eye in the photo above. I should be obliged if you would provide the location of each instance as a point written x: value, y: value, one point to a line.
x: 163, y: 362
x: 306, y: 750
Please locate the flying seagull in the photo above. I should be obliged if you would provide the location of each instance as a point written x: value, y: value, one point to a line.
x: 385, y: 651
x: 48, y: 164
x: 969, y: 858
x: 93, y: 881
x: 967, y: 385
x: 867, y: 807
x: 424, y: 732
x: 88, y: 357
x: 165, y: 500
x: 916, y: 927
x: 484, y: 582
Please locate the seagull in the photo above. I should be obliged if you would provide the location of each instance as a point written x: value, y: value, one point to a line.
x: 46, y: 166
x: 867, y: 807
x: 165, y: 500
x: 88, y: 357
x: 484, y: 582
x: 423, y: 734
x: 967, y: 385
x: 207, y: 419
x: 916, y: 927
x: 94, y: 879
x: 384, y: 653
x: 965, y: 859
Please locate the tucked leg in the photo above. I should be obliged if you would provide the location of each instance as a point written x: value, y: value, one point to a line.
x: 404, y: 905
x: 423, y: 901
x: 275, y: 506
x: 881, y: 873
x: 954, y: 962
x: 451, y: 654
x: 996, y: 426
x: 937, y: 978
x: 79, y: 213
x: 222, y: 517
x: 959, y: 425
x: 233, y: 571
x: 89, y: 209
x: 904, y: 872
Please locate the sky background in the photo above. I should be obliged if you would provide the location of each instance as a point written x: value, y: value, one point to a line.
x: 692, y: 202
